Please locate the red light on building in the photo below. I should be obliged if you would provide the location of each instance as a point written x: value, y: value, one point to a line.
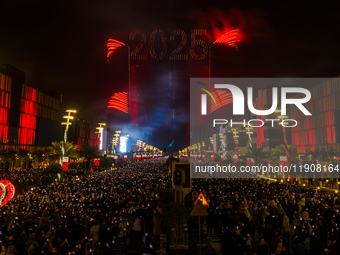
x: 120, y: 101
x: 112, y: 44
x: 230, y: 38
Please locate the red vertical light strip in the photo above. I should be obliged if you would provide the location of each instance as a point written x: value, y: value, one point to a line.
x: 2, y: 98
x: 5, y: 136
x: 295, y: 136
x: 133, y: 96
x: 6, y: 99
x: 329, y: 135
x: 2, y: 133
x: 303, y: 143
x: 6, y: 116
x: 260, y: 130
x: 4, y: 104
x: 2, y: 115
x: 260, y: 134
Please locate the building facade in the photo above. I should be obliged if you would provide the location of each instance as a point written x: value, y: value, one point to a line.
x: 29, y: 119
x: 84, y: 133
x: 322, y: 129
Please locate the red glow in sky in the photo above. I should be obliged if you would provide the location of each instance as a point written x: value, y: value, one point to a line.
x: 232, y: 26
x: 230, y: 38
x: 112, y: 44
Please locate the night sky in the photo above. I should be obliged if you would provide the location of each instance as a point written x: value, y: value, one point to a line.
x: 61, y: 45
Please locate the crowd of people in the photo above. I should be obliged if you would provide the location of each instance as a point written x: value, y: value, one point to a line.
x: 270, y: 217
x: 116, y: 212
x: 112, y: 212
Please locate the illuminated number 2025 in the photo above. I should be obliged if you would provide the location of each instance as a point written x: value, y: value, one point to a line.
x: 175, y: 54
x: 152, y: 44
x: 134, y: 53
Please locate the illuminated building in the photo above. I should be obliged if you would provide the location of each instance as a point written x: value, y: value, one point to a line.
x: 29, y: 119
x: 322, y: 129
x: 84, y: 133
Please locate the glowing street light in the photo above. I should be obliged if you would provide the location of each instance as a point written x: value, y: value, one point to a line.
x: 68, y: 117
x: 100, y: 134
x: 115, y: 140
x: 138, y: 144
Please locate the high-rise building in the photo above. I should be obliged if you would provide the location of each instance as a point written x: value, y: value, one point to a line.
x: 85, y: 133
x: 322, y: 129
x: 29, y: 119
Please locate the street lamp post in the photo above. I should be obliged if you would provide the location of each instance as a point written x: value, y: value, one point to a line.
x: 282, y: 118
x: 67, y: 123
x: 116, y: 139
x: 100, y: 135
x: 212, y: 146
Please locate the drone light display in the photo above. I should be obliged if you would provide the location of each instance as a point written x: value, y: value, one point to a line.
x: 112, y: 44
x: 231, y: 38
x: 120, y: 101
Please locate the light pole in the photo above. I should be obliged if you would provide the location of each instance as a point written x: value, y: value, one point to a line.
x: 67, y: 123
x: 116, y: 139
x: 203, y: 145
x: 235, y: 136
x: 282, y: 118
x: 212, y: 141
x: 100, y: 134
x: 224, y: 151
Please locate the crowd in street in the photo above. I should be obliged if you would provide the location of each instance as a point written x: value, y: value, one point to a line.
x: 105, y: 213
x: 116, y: 212
x: 270, y: 217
